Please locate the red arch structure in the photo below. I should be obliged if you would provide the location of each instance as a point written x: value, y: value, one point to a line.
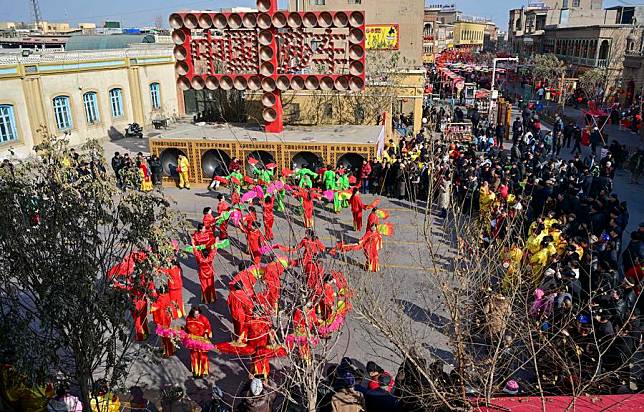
x: 271, y: 51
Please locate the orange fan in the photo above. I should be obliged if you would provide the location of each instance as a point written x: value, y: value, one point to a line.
x: 382, y: 214
x: 386, y: 229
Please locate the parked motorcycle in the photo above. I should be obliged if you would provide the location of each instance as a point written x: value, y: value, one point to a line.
x: 134, y: 130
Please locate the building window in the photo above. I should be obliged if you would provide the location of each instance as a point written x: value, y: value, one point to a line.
x: 575, y: 3
x: 318, y: 2
x: 116, y: 102
x: 352, y: 1
x: 91, y: 107
x: 328, y: 110
x: 8, y: 130
x: 63, y: 113
x: 155, y: 95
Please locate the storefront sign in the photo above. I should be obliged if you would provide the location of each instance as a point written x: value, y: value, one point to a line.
x: 382, y: 36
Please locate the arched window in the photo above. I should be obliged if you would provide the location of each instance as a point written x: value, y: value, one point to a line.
x: 518, y: 24
x: 116, y: 102
x: 8, y: 131
x: 604, y: 49
x: 155, y: 95
x: 91, y: 108
x: 63, y: 113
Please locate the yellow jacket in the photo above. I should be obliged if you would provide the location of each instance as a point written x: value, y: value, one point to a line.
x: 184, y: 165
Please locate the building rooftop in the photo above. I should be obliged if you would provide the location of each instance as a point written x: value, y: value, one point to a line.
x: 14, y: 56
x: 350, y: 134
x: 106, y: 42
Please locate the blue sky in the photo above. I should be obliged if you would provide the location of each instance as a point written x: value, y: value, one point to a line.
x: 144, y: 12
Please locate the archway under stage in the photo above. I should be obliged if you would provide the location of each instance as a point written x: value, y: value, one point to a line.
x: 309, y: 160
x: 168, y: 159
x: 263, y: 157
x: 215, y: 161
x: 351, y: 161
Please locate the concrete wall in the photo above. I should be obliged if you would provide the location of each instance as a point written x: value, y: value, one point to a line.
x: 31, y: 88
x: 407, y: 13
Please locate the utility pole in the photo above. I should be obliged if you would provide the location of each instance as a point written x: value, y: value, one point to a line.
x: 35, y: 8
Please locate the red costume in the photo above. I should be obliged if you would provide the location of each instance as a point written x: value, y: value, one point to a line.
x: 162, y: 316
x: 235, y: 197
x: 241, y: 309
x: 272, y: 273
x: 203, y: 238
x: 254, y: 240
x: 303, y: 325
x: 356, y: 209
x: 372, y: 221
x: 199, y: 327
x: 327, y: 300
x: 307, y: 207
x: 223, y: 207
x: 249, y: 220
x: 206, y: 275
x: 259, y: 329
x: 121, y: 275
x: 175, y: 287
x: 312, y: 248
x: 269, y: 217
x: 247, y: 279
x: 208, y: 222
x: 370, y: 243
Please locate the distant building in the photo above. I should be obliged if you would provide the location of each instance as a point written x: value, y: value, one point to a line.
x: 7, y: 25
x: 527, y: 24
x: 469, y: 35
x: 490, y: 37
x: 83, y: 94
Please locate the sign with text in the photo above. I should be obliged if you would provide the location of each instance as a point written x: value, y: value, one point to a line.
x: 382, y: 36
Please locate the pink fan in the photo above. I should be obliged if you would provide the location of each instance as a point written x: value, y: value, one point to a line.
x: 236, y: 216
x: 329, y: 194
x: 250, y: 195
x: 259, y: 191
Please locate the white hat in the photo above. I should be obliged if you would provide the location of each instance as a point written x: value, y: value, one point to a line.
x: 256, y: 386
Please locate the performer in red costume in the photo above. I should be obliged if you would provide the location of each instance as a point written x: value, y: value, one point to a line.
x: 202, y: 237
x: 311, y: 244
x: 162, y: 316
x: 222, y: 207
x: 241, y: 309
x: 254, y: 241
x: 307, y: 206
x: 204, y: 258
x: 272, y: 273
x: 269, y: 217
x: 121, y: 276
x: 208, y: 220
x: 305, y: 321
x: 372, y: 220
x: 371, y: 243
x: 327, y: 298
x: 259, y: 328
x: 175, y: 287
x: 199, y: 326
x: 235, y: 197
x: 249, y: 220
x: 356, y: 209
x: 245, y: 275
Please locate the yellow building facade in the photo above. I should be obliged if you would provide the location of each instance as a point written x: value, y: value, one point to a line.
x: 83, y: 95
x: 469, y: 34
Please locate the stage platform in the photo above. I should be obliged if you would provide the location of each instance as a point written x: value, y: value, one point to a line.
x: 210, y: 147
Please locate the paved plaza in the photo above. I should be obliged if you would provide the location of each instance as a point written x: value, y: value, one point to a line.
x: 403, y: 258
